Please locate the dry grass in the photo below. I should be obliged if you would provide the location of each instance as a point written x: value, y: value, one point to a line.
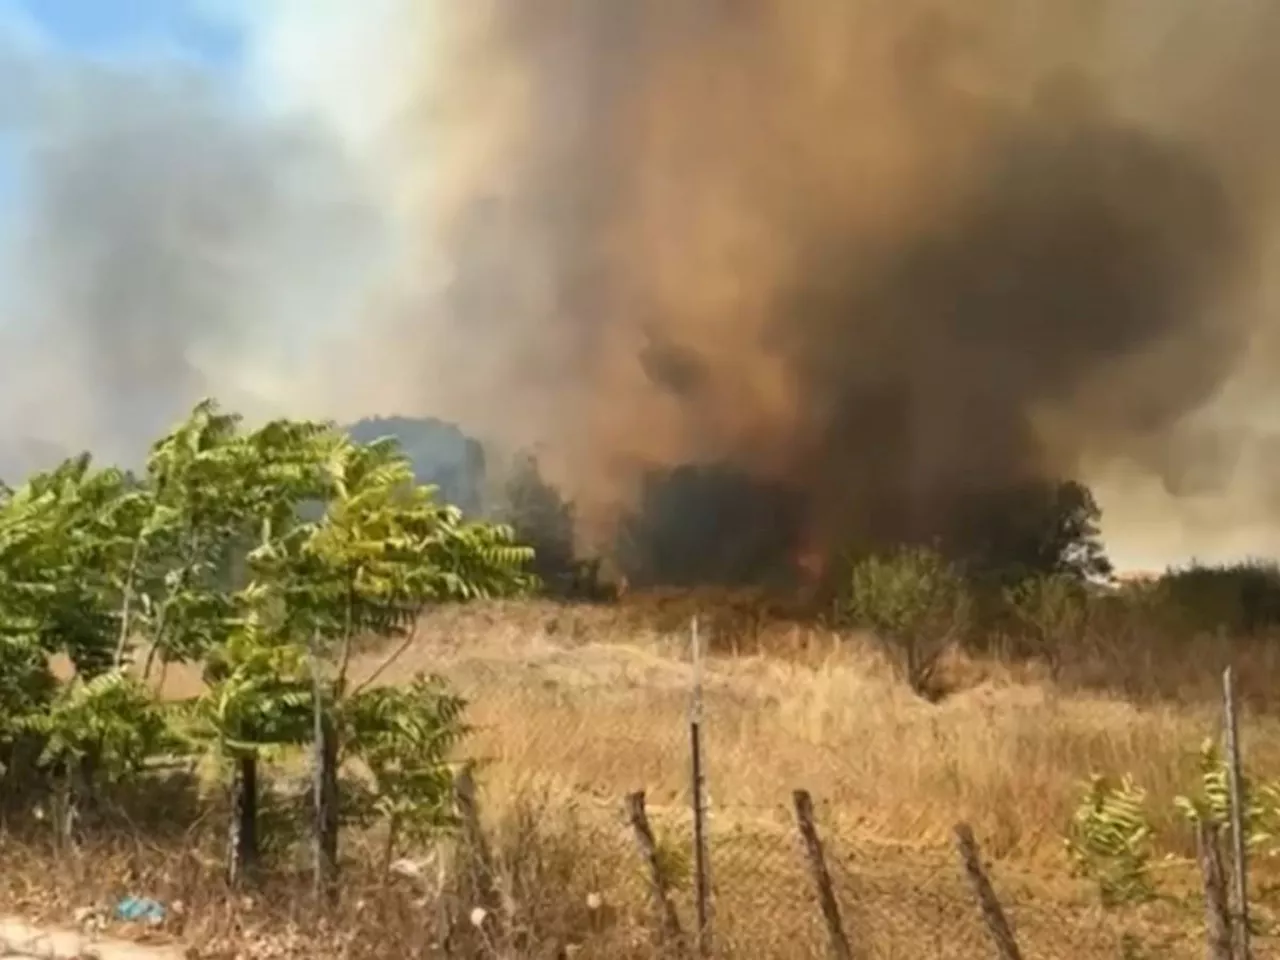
x: 574, y: 707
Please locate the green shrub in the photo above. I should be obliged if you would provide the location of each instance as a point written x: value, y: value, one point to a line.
x: 1212, y: 801
x: 1110, y: 840
x: 916, y: 603
x: 1049, y: 614
x: 264, y: 556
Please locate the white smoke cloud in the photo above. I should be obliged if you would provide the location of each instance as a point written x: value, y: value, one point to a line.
x: 168, y: 234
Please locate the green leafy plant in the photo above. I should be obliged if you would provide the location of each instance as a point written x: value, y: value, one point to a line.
x: 381, y: 549
x: 27, y: 686
x: 112, y: 718
x: 212, y: 488
x: 1110, y: 840
x: 915, y: 602
x: 1050, y: 614
x: 404, y: 737
x: 265, y: 556
x: 1211, y: 803
x: 96, y: 732
x: 65, y: 537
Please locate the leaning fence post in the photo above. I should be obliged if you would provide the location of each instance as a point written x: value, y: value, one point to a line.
x: 701, y: 861
x: 479, y: 856
x: 1217, y: 911
x: 668, y: 930
x: 837, y: 940
x: 1239, y: 853
x: 992, y: 913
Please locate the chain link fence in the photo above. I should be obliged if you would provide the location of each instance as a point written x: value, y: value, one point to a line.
x: 892, y: 901
x: 593, y: 726
x: 765, y: 902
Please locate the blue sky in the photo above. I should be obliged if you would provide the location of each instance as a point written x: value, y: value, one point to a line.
x: 123, y: 27
x: 121, y: 31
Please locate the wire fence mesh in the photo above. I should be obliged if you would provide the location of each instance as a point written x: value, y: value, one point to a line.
x: 894, y: 900
x: 892, y: 904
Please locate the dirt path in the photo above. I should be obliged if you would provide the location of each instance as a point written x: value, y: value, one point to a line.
x: 20, y: 940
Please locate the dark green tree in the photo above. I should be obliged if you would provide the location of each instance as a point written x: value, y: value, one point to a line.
x: 544, y: 520
x: 1034, y: 529
x: 698, y: 525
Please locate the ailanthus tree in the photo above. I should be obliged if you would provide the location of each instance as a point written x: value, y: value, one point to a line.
x: 65, y: 538
x: 377, y: 549
x: 265, y: 556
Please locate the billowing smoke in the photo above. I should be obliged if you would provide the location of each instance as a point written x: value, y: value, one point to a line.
x: 891, y: 254
x: 885, y: 255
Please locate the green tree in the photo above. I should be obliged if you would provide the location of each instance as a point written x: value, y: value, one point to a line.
x: 257, y: 698
x: 1039, y: 528
x: 696, y: 525
x: 106, y: 728
x: 1239, y: 598
x: 27, y: 688
x: 404, y: 736
x: 544, y: 520
x: 65, y: 538
x: 379, y: 549
x: 265, y: 556
x: 211, y: 488
x: 915, y: 602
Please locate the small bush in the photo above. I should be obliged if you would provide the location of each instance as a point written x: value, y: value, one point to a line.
x: 1212, y: 801
x: 1110, y: 840
x: 916, y: 602
x: 1050, y: 615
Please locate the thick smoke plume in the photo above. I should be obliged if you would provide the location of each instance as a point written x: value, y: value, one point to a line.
x: 890, y: 254
x: 883, y: 254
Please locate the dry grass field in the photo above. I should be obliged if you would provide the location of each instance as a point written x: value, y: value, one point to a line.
x: 574, y: 707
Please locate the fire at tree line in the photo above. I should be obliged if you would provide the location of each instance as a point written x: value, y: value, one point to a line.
x: 269, y: 556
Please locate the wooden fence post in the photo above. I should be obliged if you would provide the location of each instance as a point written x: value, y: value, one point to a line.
x: 667, y: 932
x: 701, y: 860
x: 1239, y: 850
x: 479, y: 856
x: 992, y: 913
x: 837, y: 940
x: 325, y: 796
x: 1216, y: 906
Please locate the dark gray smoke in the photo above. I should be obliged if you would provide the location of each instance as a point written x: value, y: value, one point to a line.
x: 890, y: 256
x: 885, y: 255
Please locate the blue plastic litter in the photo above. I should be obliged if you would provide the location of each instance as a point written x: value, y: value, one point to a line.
x: 140, y: 909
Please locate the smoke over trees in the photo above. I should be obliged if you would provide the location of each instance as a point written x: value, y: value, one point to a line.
x: 892, y: 258
x: 877, y: 261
